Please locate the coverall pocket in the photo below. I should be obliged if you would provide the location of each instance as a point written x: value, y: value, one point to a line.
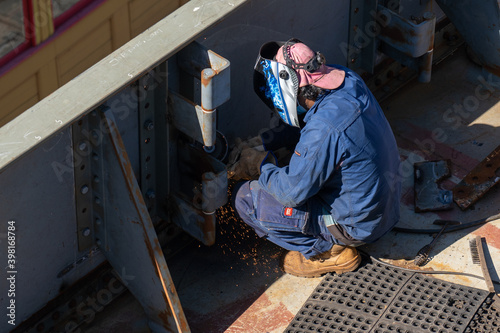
x: 272, y: 215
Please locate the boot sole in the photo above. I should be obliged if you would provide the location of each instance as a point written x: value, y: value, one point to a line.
x: 348, y: 266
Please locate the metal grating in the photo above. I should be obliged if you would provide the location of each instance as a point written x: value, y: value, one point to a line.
x: 487, y: 318
x: 379, y: 299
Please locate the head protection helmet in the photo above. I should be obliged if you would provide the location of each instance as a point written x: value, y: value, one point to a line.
x: 283, y: 67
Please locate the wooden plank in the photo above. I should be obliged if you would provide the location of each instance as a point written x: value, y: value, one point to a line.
x: 47, y: 79
x: 82, y: 49
x: 27, y: 68
x: 152, y: 15
x: 100, y: 52
x: 138, y: 7
x: 81, y: 28
x: 5, y: 118
x: 16, y: 96
x: 120, y: 27
x: 110, y: 75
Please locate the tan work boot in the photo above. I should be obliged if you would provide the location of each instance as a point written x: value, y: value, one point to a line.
x: 338, y: 259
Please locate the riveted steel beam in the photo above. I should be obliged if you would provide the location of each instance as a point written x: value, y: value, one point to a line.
x: 147, y: 140
x: 82, y: 151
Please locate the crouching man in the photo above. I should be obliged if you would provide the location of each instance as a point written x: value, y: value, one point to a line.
x: 340, y: 188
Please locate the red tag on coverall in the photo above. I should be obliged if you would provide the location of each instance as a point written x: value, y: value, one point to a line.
x: 288, y: 211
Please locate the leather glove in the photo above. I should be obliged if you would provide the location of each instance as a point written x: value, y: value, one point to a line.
x: 246, y: 159
x: 239, y: 145
x: 248, y: 165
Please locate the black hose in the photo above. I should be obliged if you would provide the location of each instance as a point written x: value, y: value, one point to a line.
x: 449, y: 228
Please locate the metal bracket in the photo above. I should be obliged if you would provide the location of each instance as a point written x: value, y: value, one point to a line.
x: 374, y: 25
x: 201, y: 188
x: 410, y: 43
x: 212, y: 71
x: 186, y: 116
x: 413, y: 39
x: 198, y: 181
x: 428, y: 195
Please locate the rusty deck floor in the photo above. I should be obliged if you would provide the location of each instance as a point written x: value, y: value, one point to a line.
x: 236, y: 285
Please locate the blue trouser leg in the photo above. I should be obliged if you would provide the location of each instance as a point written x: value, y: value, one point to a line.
x: 295, y: 229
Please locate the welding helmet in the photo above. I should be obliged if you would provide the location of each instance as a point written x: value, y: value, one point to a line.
x: 276, y: 77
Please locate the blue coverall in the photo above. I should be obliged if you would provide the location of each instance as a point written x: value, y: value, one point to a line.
x: 345, y: 169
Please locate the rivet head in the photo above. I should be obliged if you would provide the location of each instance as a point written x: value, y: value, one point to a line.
x: 84, y: 189
x: 82, y: 145
x: 97, y: 200
x: 148, y: 125
x: 86, y: 232
x: 96, y: 179
x: 150, y: 194
x: 98, y: 221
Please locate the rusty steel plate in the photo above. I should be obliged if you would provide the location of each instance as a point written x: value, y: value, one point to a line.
x: 482, y: 178
x: 428, y: 194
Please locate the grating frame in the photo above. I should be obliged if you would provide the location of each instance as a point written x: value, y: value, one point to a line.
x: 381, y: 299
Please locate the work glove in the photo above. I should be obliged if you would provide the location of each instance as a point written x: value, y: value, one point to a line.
x: 246, y: 159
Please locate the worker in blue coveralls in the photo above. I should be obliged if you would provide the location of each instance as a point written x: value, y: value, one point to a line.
x: 340, y: 188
